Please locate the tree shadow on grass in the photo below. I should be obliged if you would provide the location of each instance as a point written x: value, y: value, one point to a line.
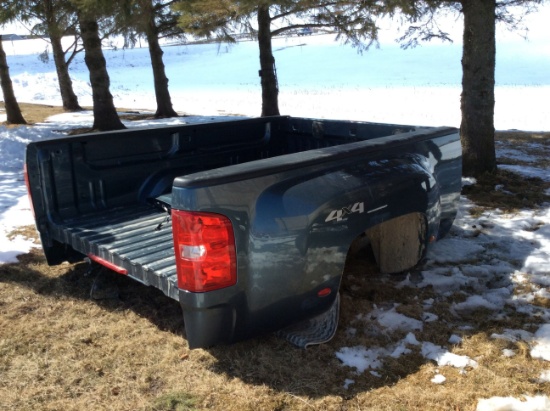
x: 315, y: 372
x: 262, y: 361
x: 75, y: 282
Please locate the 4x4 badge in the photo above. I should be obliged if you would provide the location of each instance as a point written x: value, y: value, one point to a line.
x: 339, y: 215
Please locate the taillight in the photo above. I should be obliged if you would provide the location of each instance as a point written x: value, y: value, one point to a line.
x: 205, y: 251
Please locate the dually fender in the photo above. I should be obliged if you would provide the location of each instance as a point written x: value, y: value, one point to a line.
x: 303, y: 227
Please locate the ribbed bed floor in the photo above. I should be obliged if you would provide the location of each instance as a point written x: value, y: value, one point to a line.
x: 137, y: 238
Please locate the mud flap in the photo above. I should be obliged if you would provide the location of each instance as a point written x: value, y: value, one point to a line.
x: 316, y: 330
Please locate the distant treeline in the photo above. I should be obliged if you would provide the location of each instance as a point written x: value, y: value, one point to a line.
x: 12, y: 37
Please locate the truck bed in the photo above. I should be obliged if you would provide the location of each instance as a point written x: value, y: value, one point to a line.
x: 92, y: 192
x: 265, y: 212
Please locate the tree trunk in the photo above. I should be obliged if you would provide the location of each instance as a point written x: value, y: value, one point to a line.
x: 105, y: 115
x: 164, y: 101
x: 477, y: 129
x: 13, y: 112
x: 68, y: 96
x: 268, y: 73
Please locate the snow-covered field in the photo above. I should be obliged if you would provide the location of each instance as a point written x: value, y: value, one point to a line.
x: 490, y: 255
x: 318, y: 77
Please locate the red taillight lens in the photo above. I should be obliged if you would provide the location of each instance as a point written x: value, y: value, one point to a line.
x: 205, y: 251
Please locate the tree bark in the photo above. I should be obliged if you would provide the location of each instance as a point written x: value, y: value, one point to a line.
x: 477, y: 130
x: 105, y: 115
x: 164, y: 101
x: 68, y: 96
x: 13, y: 112
x: 268, y: 72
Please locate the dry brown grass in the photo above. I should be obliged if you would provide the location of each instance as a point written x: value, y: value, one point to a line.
x: 529, y: 143
x: 515, y: 192
x: 60, y: 350
x: 36, y: 113
x: 510, y: 191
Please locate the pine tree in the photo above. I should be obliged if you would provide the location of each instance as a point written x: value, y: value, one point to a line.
x: 477, y: 103
x: 59, y: 19
x: 105, y: 114
x: 13, y: 112
x: 153, y: 19
x: 477, y: 130
x: 52, y: 19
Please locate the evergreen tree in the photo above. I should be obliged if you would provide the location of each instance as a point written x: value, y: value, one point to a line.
x: 268, y: 71
x: 477, y: 102
x: 154, y: 19
x: 477, y: 130
x: 8, y: 12
x: 13, y: 112
x: 56, y: 19
x: 105, y: 114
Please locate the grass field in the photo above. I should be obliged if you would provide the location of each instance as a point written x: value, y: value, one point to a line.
x: 62, y: 350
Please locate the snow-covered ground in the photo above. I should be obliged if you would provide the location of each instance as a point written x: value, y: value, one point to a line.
x: 489, y: 255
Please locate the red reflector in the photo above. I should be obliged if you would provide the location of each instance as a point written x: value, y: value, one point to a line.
x: 204, y: 244
x: 324, y: 292
x: 108, y: 264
